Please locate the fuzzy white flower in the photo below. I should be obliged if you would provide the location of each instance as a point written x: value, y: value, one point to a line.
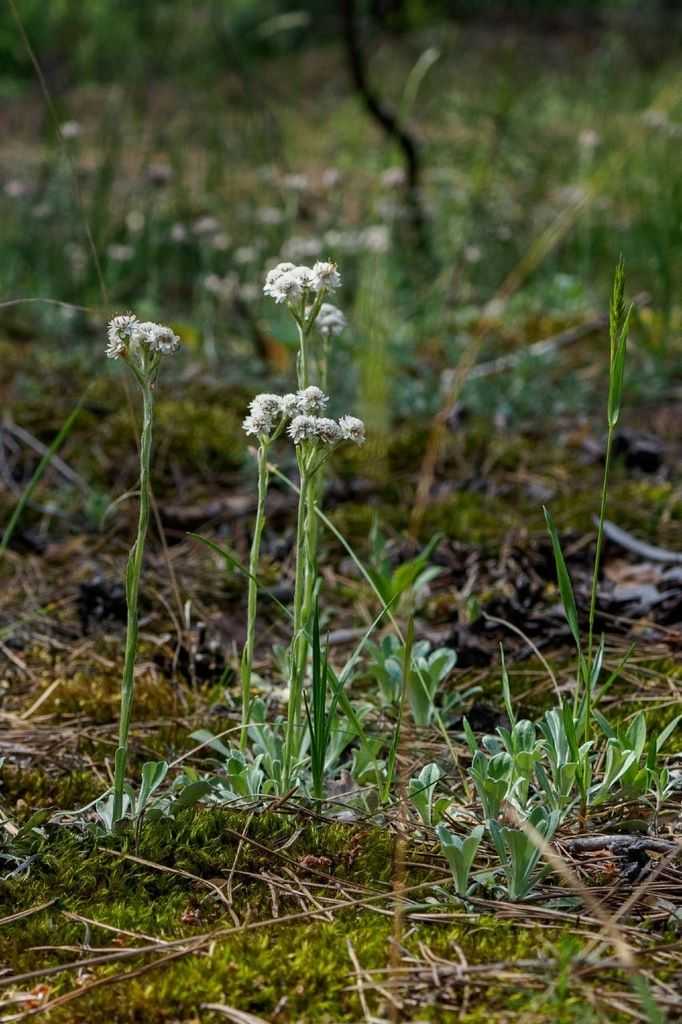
x: 265, y: 413
x: 289, y: 405
x: 269, y: 405
x: 325, y: 275
x: 328, y: 431
x: 257, y: 423
x: 303, y: 428
x: 305, y: 278
x: 330, y: 321
x: 311, y: 401
x: 280, y: 284
x: 352, y: 429
x: 119, y: 334
x: 157, y: 337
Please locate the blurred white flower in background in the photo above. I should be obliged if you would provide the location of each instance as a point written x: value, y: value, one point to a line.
x: 70, y: 129
x: 330, y: 321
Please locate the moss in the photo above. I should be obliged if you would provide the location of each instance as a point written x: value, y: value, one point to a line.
x: 299, y: 969
x: 26, y: 790
x: 207, y: 434
x: 471, y: 517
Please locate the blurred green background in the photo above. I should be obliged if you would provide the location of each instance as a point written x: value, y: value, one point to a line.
x: 200, y: 143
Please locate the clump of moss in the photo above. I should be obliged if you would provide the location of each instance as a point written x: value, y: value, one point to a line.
x: 299, y: 969
x: 25, y: 790
x: 472, y: 518
x: 207, y: 435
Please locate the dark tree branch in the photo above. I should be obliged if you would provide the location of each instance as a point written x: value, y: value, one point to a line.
x: 383, y: 115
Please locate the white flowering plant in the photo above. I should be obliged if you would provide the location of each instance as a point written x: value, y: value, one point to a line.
x: 142, y: 346
x: 302, y: 418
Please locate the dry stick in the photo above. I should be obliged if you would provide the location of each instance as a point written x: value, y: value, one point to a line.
x: 544, y: 347
x: 651, y: 552
x: 11, y: 918
x: 92, y: 922
x: 42, y: 449
x: 638, y: 892
x: 359, y: 982
x: 238, y: 1016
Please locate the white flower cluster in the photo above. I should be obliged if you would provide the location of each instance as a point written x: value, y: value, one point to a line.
x: 126, y: 330
x: 327, y: 431
x: 268, y: 413
x: 288, y: 282
x: 265, y: 414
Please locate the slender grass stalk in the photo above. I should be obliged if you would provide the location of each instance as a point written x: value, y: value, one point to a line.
x: 320, y: 718
x: 393, y: 750
x: 619, y: 320
x: 254, y: 560
x: 27, y: 494
x: 132, y: 599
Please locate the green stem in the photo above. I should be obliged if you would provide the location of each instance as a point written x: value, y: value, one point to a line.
x: 254, y: 559
x: 295, y: 689
x: 595, y: 576
x: 133, y: 573
x: 302, y: 363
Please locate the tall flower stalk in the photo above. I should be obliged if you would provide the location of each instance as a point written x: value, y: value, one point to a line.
x: 267, y: 417
x: 303, y: 290
x: 141, y: 346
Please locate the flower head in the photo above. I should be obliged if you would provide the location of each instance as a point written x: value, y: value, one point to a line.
x: 325, y: 275
x: 268, y: 405
x: 119, y: 334
x: 328, y: 431
x: 257, y: 423
x: 157, y: 337
x: 265, y: 412
x: 311, y: 401
x: 281, y: 283
x: 289, y: 405
x: 330, y: 321
x: 352, y: 429
x: 288, y: 282
x: 303, y: 428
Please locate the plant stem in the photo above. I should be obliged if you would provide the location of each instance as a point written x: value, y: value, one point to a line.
x: 595, y: 576
x: 254, y: 559
x: 132, y: 593
x: 302, y: 362
x: 295, y: 682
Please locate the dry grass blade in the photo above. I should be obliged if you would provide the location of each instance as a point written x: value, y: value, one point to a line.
x: 238, y: 1016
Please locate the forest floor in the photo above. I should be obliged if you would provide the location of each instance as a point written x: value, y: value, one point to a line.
x: 535, y: 176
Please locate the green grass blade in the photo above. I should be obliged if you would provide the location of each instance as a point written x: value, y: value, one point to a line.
x: 232, y: 560
x: 54, y: 447
x: 563, y: 579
